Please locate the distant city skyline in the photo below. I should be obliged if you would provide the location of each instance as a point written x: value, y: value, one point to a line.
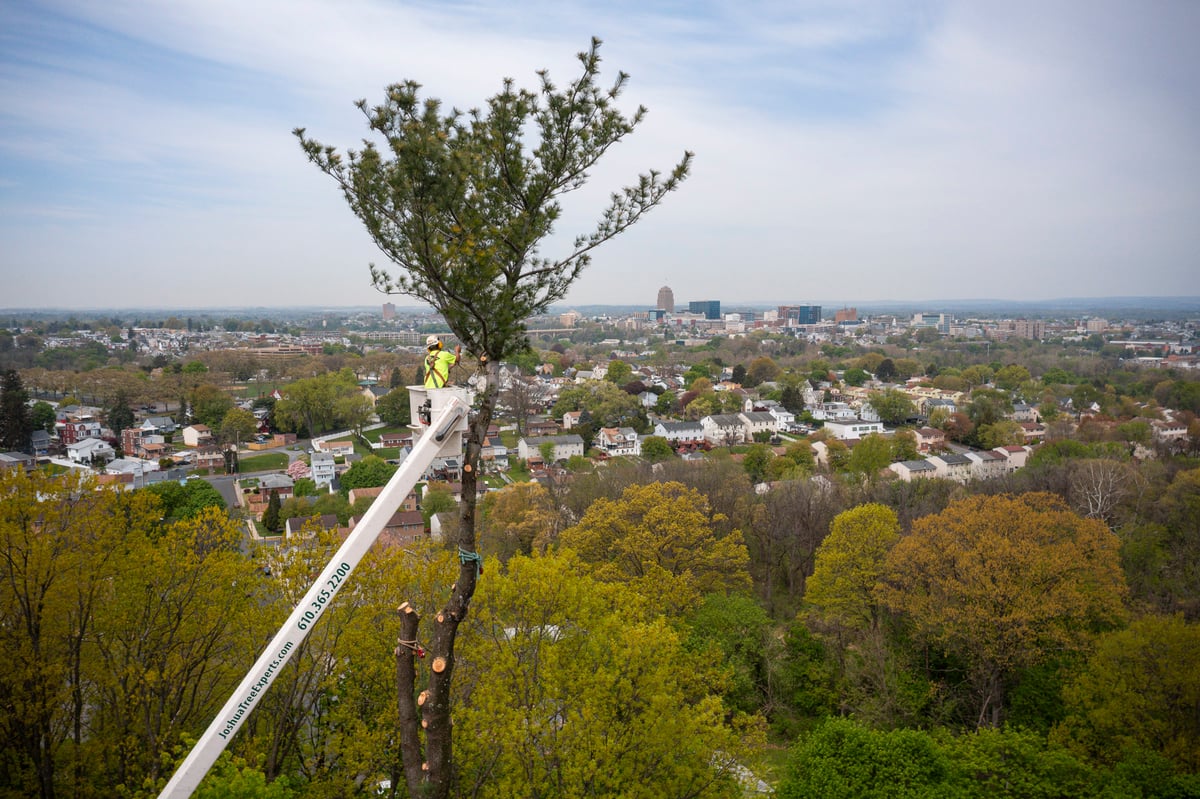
x: 845, y: 153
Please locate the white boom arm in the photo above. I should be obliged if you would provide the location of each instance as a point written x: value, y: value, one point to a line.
x: 319, y: 597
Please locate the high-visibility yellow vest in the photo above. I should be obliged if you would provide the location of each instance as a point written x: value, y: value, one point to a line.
x: 437, y: 368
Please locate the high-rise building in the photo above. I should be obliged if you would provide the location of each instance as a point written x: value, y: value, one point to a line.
x: 800, y: 314
x: 666, y: 299
x: 710, y: 308
x: 1029, y: 328
x: 845, y: 315
x: 939, y: 322
x: 389, y: 311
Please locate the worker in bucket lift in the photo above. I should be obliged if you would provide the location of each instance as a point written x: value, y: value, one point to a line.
x: 438, y: 362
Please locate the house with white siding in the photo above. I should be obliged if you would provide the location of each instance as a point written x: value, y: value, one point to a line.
x: 681, y: 434
x: 847, y: 429
x: 323, y: 468
x: 617, y: 441
x: 952, y: 466
x: 759, y: 422
x: 987, y: 464
x: 88, y: 449
x: 724, y: 429
x: 564, y: 446
x: 1016, y: 456
x: 910, y: 470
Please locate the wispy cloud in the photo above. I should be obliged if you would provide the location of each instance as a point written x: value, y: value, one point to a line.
x: 863, y: 150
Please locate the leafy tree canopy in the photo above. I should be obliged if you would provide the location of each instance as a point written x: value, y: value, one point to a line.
x: 661, y: 539
x: 370, y: 472
x: 1002, y: 581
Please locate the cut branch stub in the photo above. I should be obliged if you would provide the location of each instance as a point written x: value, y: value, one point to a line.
x: 439, y: 664
x: 422, y: 698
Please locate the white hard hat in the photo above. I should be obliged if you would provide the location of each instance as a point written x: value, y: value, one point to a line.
x: 432, y: 341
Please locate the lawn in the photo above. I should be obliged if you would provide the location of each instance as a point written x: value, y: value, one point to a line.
x: 255, y: 389
x: 271, y: 461
x: 374, y: 435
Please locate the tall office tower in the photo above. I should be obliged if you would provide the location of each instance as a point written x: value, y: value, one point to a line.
x: 846, y: 315
x: 389, y: 311
x: 801, y: 314
x: 666, y: 299
x: 710, y: 308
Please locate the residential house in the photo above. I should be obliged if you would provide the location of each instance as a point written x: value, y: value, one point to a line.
x: 930, y: 439
x: 759, y: 422
x: 139, y: 470
x: 256, y: 499
x: 403, y: 527
x: 121, y: 482
x: 932, y: 404
x: 617, y: 441
x: 211, y: 458
x: 867, y: 412
x: 90, y: 449
x: 335, y: 448
x: 953, y: 466
x: 130, y: 439
x: 16, y: 460
x: 782, y: 415
x: 326, y: 521
x: 572, y: 419
x: 681, y: 434
x: 909, y: 470
x: 399, y: 439
x: 1033, y: 431
x: 563, y: 446
x: 987, y: 464
x: 197, y: 435
x: 493, y: 454
x: 648, y: 399
x: 280, y: 484
x: 724, y: 429
x: 826, y: 411
x: 1022, y: 412
x: 373, y: 392
x: 541, y: 427
x: 1015, y: 455
x: 1168, y: 432
x: 39, y: 443
x: 152, y: 447
x: 356, y: 494
x: 849, y: 429
x: 323, y: 468
x: 160, y: 425
x: 78, y: 430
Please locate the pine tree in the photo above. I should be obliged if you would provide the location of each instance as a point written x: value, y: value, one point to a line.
x: 271, y: 519
x: 15, y: 423
x: 119, y: 414
x: 460, y: 203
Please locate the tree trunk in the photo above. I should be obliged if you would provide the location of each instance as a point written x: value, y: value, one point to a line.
x: 431, y: 775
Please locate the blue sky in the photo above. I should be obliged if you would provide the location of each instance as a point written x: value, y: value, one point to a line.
x: 845, y: 151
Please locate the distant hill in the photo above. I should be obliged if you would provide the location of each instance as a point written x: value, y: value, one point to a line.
x: 1119, y: 307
